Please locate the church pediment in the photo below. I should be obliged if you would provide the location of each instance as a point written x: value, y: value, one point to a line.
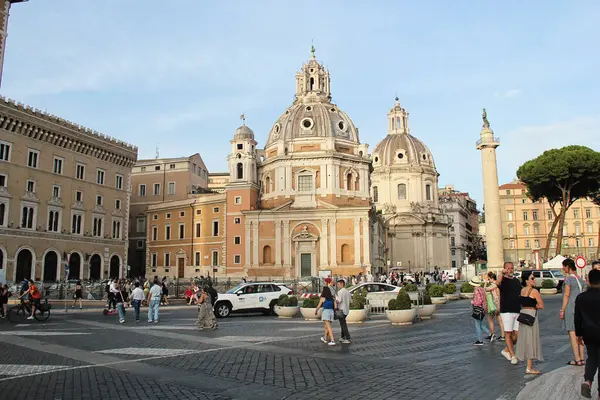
x: 324, y: 204
x: 285, y: 206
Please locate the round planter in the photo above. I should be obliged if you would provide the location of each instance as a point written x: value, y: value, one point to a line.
x: 414, y: 296
x: 309, y: 314
x: 286, y: 312
x: 453, y: 296
x: 467, y: 295
x: 439, y: 300
x: 401, y: 317
x: 549, y: 291
x: 426, y: 311
x: 356, y: 316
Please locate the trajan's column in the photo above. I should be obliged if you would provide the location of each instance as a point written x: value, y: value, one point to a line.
x: 491, y: 196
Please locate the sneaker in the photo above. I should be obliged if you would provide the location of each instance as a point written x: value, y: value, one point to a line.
x: 345, y: 341
x: 489, y: 337
x: 323, y: 340
x: 156, y: 322
x: 31, y: 317
x: 514, y: 361
x: 492, y: 338
x: 478, y: 343
x: 121, y: 321
x: 149, y: 321
x: 502, y: 339
x: 137, y: 320
x: 332, y: 343
x: 506, y: 355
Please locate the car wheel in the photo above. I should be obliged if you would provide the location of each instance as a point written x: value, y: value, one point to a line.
x: 272, y: 307
x: 222, y: 310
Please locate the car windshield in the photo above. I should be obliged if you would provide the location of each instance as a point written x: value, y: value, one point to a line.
x: 557, y: 274
x: 235, y: 289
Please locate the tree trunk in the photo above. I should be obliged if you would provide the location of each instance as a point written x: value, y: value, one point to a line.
x: 551, y: 233
x: 564, y: 207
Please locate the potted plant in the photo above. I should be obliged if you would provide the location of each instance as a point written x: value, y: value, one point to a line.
x: 287, y: 306
x: 548, y: 287
x: 450, y: 291
x: 428, y: 308
x: 467, y: 291
x: 412, y: 290
x: 309, y: 305
x: 358, y: 312
x: 437, y: 294
x: 399, y: 310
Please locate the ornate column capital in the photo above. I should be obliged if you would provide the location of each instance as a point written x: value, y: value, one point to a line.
x: 278, y: 224
x: 286, y: 224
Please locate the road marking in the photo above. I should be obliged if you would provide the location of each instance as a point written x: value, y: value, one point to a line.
x: 563, y: 348
x: 147, y: 351
x: 18, y: 370
x: 44, y: 333
x: 249, y: 338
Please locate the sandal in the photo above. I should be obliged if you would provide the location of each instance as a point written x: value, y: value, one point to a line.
x: 573, y: 363
x: 580, y: 363
x: 532, y: 372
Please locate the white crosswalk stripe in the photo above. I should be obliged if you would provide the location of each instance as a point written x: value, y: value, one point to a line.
x: 44, y: 333
x: 147, y: 351
x: 17, y: 370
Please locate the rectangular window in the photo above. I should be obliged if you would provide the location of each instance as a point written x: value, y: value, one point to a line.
x: 534, y: 215
x: 171, y: 166
x: 511, y: 231
x: 453, y: 263
x: 53, y: 221
x: 238, y: 200
x: 142, y: 191
x: 30, y: 186
x: 3, y: 180
x: 578, y: 229
x: 215, y: 258
x: 156, y: 190
x: 526, y: 230
x: 80, y: 172
x: 215, y: 226
x: 182, y: 213
x: 198, y: 212
x: 590, y: 228
x: 57, y: 166
x: 140, y: 244
x: 32, y: 158
x: 510, y: 215
x: 155, y: 217
x: 117, y: 204
x: 550, y: 215
x: 119, y: 181
x: 168, y: 216
x: 157, y: 168
x: 525, y: 215
x: 55, y: 191
x: 523, y: 201
x: 237, y: 220
x: 171, y: 188
x: 576, y: 213
x: 4, y: 151
x: 536, y: 229
x: 76, y: 222
x: 240, y: 146
x: 98, y: 226
x: 79, y: 196
x: 154, y: 233
x: 116, y: 229
x: 216, y: 209
x: 198, y: 229
x: 452, y: 241
x: 237, y: 259
x: 428, y: 192
x: 305, y: 183
x: 168, y: 232
x: 100, y: 177
x: 167, y: 259
x: 99, y: 200
x: 154, y: 260
x: 590, y: 242
x: 578, y: 242
x: 140, y: 225
x: 537, y: 244
x: 181, y: 231
x: 453, y: 252
x: 512, y: 244
x: 197, y: 259
x: 237, y: 239
x: 588, y: 213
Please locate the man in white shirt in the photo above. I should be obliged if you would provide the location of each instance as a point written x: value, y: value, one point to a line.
x: 154, y: 301
x: 343, y: 303
x: 113, y: 292
x: 137, y: 296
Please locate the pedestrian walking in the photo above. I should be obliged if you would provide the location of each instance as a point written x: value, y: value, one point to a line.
x: 206, y: 316
x: 493, y: 302
x: 572, y: 287
x: 153, y: 299
x: 121, y: 299
x: 529, y: 346
x: 137, y: 296
x: 328, y: 304
x: 343, y: 305
x: 510, y: 307
x: 77, y: 296
x: 480, y: 309
x: 587, y: 330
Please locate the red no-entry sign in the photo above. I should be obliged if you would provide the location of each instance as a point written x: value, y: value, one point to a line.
x: 580, y: 262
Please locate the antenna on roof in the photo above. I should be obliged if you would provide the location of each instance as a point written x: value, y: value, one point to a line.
x: 157, y: 152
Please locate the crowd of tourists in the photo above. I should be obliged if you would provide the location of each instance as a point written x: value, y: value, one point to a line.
x: 504, y: 300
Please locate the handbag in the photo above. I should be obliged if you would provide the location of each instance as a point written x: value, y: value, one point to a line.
x: 339, y: 314
x: 478, y: 313
x: 526, y: 319
x: 490, y: 303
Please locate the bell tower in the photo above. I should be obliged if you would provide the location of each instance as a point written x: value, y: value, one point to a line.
x: 312, y: 81
x: 398, y: 120
x: 242, y: 159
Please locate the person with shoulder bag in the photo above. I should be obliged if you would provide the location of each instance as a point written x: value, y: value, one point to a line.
x: 480, y: 308
x: 327, y: 302
x: 529, y: 346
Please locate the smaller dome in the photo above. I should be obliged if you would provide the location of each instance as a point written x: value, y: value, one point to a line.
x: 243, y: 132
x: 403, y: 148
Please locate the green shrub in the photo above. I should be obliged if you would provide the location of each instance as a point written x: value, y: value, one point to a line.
x: 359, y: 299
x: 401, y: 302
x: 428, y: 286
x: 449, y: 288
x: 287, y: 301
x: 436, y: 291
x: 467, y: 288
x: 548, y: 284
x: 311, y: 302
x: 411, y: 287
x: 426, y: 299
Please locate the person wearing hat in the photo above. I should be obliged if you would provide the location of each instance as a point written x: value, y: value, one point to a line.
x: 480, y: 309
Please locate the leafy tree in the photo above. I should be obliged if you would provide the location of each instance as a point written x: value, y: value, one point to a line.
x: 562, y: 176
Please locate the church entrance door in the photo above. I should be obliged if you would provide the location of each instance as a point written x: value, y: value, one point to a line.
x: 305, y: 264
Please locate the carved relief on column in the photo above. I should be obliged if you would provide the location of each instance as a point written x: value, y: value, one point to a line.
x: 248, y: 244
x: 278, y: 243
x: 255, y: 243
x: 366, y: 237
x: 324, y: 243
x: 333, y: 244
x: 287, y: 253
x: 356, y: 241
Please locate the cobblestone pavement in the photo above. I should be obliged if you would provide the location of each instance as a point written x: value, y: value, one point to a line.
x: 90, y: 356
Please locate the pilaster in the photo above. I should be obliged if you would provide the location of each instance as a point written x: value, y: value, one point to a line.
x: 255, y: 243
x: 357, y: 241
x: 323, y: 242
x: 333, y: 247
x: 248, y: 243
x: 287, y: 253
x: 366, y: 237
x: 278, y: 243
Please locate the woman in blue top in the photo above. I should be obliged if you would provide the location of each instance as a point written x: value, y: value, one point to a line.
x: 572, y: 286
x: 327, y: 302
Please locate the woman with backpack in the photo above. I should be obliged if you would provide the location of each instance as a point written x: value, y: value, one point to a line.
x: 327, y: 302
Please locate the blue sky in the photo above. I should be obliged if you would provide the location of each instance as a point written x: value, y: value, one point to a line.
x: 179, y: 73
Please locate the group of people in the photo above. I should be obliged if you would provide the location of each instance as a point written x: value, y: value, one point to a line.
x: 515, y: 307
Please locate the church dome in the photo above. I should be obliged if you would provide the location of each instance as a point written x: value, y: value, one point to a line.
x: 399, y: 147
x: 243, y: 132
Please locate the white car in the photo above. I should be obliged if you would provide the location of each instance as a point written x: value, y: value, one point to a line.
x: 250, y: 297
x: 373, y: 287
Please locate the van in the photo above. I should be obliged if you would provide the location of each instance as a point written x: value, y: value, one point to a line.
x: 541, y: 275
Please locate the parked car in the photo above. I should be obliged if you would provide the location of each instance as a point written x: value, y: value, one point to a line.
x: 373, y: 287
x: 250, y: 297
x: 543, y: 274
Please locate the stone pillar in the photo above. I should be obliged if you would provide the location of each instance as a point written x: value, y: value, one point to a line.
x: 248, y: 243
x: 278, y: 243
x: 366, y: 237
x: 255, y: 243
x: 287, y: 250
x: 288, y: 180
x: 333, y: 247
x: 323, y: 242
x: 357, y: 242
x: 491, y: 196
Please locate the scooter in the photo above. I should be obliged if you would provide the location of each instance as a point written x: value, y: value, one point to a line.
x: 114, y: 311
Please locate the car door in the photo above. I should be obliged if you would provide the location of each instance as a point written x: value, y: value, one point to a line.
x: 245, y: 297
x: 263, y: 296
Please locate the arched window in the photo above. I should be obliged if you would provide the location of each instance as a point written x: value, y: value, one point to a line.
x: 375, y: 194
x: 428, y: 192
x: 357, y: 184
x: 312, y: 84
x: 526, y: 229
x: 345, y: 253
x: 536, y: 229
x: 267, y: 188
x: 240, y: 171
x: 402, y: 191
x: 267, y: 255
x: 398, y: 123
x: 349, y: 181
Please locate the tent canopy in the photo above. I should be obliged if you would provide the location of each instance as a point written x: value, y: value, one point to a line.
x: 555, y: 263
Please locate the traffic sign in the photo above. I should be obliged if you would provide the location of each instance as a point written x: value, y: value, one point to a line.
x: 580, y: 262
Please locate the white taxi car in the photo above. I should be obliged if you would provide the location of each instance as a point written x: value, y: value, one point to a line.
x: 374, y: 287
x: 250, y: 297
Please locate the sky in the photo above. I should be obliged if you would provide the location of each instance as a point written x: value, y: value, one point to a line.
x: 177, y: 75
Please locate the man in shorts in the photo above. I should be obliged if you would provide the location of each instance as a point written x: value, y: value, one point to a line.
x: 510, y: 307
